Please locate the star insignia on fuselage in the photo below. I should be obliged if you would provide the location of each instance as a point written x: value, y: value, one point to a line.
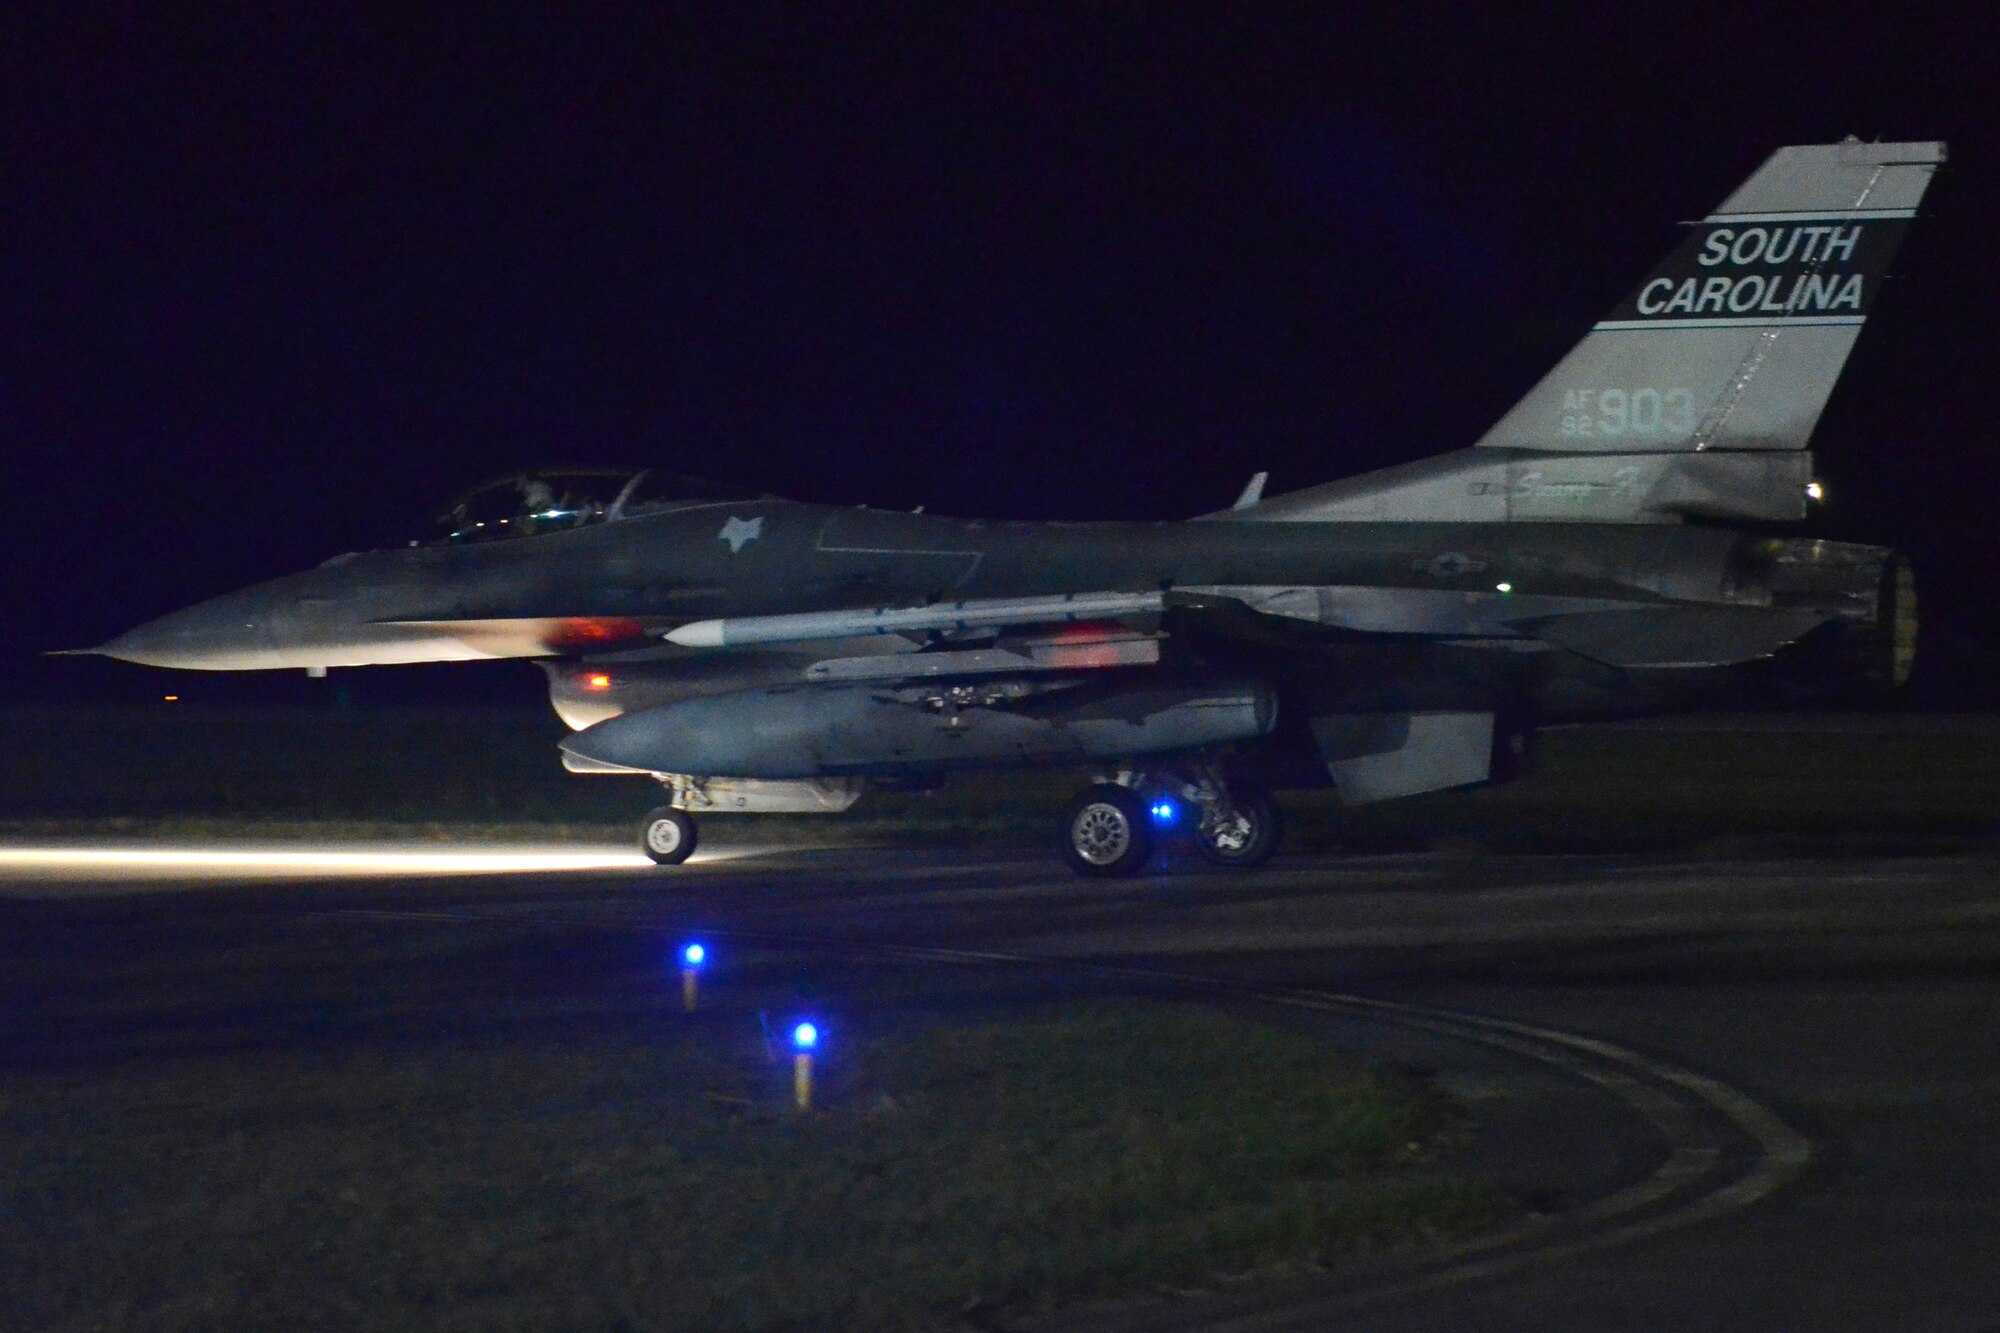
x: 1451, y: 564
x: 740, y: 532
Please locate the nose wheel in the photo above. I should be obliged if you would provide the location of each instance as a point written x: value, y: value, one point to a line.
x: 667, y: 836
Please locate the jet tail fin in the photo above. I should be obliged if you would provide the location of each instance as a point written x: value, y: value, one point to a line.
x: 1734, y: 343
x: 1696, y: 395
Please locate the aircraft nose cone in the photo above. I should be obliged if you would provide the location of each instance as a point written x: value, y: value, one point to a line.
x: 226, y: 634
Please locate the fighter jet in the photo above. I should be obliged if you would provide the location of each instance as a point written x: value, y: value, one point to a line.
x: 1603, y: 550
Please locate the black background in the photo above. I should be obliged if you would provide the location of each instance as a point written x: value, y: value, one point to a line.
x: 275, y: 283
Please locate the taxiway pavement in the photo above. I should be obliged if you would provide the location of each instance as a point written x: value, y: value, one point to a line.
x: 1856, y: 1000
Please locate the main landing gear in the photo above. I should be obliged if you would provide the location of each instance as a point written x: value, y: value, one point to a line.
x: 1107, y: 831
x: 1110, y: 829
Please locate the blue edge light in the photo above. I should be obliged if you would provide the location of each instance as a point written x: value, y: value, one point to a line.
x: 805, y: 1036
x: 1165, y: 812
x: 693, y: 955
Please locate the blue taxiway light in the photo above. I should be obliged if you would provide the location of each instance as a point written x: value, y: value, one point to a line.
x: 1165, y: 812
x: 693, y: 955
x: 805, y: 1036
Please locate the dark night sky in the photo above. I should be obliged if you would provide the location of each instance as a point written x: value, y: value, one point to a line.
x: 278, y: 283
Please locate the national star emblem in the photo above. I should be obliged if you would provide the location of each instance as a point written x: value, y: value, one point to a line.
x: 739, y: 532
x: 1451, y: 564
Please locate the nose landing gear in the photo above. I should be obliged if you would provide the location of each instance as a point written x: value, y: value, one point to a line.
x: 667, y: 835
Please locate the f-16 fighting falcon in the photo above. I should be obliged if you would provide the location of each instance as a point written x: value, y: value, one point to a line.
x: 1596, y: 553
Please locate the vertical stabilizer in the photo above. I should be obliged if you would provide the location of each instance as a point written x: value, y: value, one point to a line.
x: 1734, y: 343
x: 1696, y: 396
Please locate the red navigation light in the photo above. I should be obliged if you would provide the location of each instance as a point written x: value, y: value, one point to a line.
x: 597, y: 680
x: 579, y: 631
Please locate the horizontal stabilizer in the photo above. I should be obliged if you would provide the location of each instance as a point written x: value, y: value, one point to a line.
x: 1381, y: 756
x: 1676, y: 636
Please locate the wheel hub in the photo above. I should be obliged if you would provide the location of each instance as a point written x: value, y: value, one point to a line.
x: 663, y: 836
x: 1232, y: 833
x: 1100, y: 833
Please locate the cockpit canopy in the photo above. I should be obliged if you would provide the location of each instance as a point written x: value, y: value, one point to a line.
x: 556, y: 499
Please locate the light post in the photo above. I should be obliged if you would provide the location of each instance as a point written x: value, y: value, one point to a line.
x: 805, y: 1039
x: 692, y: 957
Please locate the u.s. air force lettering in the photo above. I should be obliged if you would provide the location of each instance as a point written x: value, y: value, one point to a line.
x: 1764, y: 269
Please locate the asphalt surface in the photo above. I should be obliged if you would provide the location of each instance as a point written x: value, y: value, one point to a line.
x: 1855, y: 1003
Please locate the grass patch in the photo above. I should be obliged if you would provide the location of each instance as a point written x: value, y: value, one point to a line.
x: 1075, y: 1152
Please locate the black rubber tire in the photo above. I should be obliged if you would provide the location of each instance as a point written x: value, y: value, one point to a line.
x: 667, y: 835
x: 1266, y: 830
x: 1106, y: 832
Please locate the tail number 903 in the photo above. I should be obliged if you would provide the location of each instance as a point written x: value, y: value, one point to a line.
x: 1620, y: 412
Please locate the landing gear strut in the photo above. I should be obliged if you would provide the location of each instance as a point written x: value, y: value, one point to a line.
x: 667, y: 836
